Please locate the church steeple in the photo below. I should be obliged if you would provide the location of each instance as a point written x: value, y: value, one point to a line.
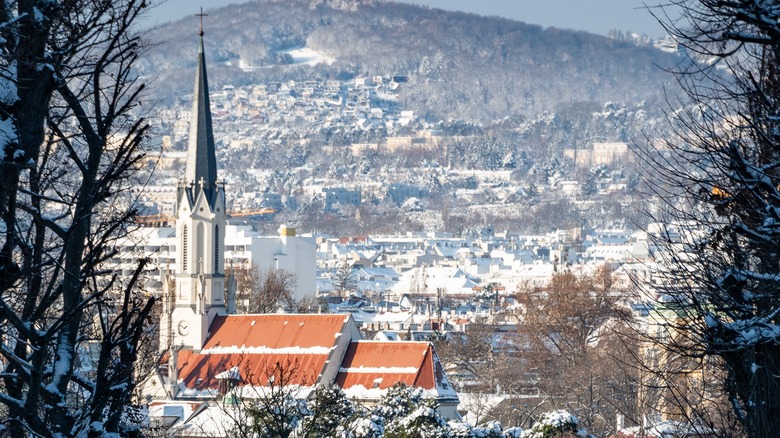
x: 200, y: 229
x: 201, y: 157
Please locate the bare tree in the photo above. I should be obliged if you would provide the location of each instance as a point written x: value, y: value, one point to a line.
x: 264, y: 291
x: 69, y: 330
x: 485, y: 355
x: 273, y: 404
x: 571, y: 331
x: 718, y: 182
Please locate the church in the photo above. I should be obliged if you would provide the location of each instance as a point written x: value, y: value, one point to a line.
x: 209, y: 350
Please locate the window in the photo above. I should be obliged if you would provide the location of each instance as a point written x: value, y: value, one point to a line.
x: 200, y: 244
x: 184, y: 249
x: 216, y: 249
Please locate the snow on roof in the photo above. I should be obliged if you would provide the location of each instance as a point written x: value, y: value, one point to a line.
x: 257, y: 345
x: 452, y: 279
x: 378, y: 365
x: 386, y: 335
x: 252, y: 348
x: 231, y: 374
x: 265, y: 350
x: 210, y: 421
x: 380, y: 370
x: 384, y: 364
x: 380, y: 271
x: 274, y: 331
x: 388, y: 317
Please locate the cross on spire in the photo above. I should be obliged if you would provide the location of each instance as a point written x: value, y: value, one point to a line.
x: 201, y: 15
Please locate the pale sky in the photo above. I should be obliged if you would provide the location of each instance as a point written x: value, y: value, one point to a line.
x: 596, y: 16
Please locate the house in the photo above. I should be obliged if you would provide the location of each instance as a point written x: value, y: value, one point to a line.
x: 287, y: 251
x: 312, y: 349
x: 340, y: 195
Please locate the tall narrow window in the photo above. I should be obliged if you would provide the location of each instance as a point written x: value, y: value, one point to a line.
x: 216, y: 249
x: 200, y: 245
x: 184, y: 249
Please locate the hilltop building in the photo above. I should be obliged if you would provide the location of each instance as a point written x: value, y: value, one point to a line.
x: 601, y: 153
x: 211, y: 351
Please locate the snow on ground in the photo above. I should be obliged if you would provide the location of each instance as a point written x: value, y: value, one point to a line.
x: 305, y: 55
x: 302, y: 55
x: 476, y: 406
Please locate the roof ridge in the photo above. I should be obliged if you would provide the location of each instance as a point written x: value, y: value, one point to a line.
x: 379, y: 341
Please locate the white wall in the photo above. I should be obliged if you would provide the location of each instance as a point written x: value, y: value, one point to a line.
x: 292, y: 253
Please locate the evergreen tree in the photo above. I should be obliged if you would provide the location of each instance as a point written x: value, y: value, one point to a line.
x: 330, y: 413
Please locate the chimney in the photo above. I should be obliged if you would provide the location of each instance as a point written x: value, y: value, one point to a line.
x: 286, y: 232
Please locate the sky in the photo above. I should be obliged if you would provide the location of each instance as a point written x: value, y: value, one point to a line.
x: 596, y: 16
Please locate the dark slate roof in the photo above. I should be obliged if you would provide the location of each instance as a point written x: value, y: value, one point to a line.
x: 201, y: 158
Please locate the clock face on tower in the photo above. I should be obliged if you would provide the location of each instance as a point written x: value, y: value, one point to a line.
x: 184, y: 327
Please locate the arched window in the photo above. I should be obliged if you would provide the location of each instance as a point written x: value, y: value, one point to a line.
x: 200, y: 244
x: 216, y: 249
x: 184, y: 249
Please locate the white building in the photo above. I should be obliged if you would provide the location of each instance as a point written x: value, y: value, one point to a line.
x: 288, y: 251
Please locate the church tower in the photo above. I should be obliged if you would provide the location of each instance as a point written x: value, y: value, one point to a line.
x: 200, y: 228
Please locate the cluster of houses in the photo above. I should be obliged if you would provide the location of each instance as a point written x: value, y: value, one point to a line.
x: 414, y: 264
x: 210, y: 352
x: 329, y: 103
x: 364, y: 339
x: 427, y: 262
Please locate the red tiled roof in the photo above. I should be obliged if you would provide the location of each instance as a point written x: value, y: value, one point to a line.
x: 370, y: 363
x: 300, y: 345
x: 258, y: 345
x: 198, y: 371
x: 275, y: 331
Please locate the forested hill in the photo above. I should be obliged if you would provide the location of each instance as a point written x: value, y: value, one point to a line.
x: 459, y: 66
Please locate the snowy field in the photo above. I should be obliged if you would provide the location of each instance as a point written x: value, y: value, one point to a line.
x: 303, y: 55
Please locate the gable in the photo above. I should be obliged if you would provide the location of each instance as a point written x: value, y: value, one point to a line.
x: 370, y: 368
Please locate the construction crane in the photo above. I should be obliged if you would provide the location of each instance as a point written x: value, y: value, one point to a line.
x: 161, y: 220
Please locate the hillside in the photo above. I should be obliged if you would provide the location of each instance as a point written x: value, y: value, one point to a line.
x: 464, y: 118
x: 457, y: 66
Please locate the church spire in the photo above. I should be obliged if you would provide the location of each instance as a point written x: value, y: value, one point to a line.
x: 200, y: 228
x: 201, y: 157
